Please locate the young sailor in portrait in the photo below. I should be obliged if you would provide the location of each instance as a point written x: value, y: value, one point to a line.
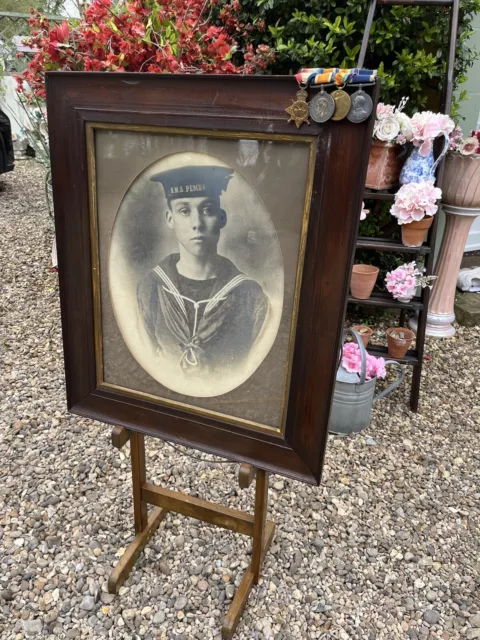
x: 199, y: 310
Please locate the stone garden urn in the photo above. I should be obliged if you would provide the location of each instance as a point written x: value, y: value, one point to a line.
x: 461, y: 204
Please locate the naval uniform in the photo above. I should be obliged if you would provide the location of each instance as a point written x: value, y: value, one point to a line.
x: 204, y: 325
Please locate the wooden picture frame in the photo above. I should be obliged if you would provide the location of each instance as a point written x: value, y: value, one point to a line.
x: 86, y: 110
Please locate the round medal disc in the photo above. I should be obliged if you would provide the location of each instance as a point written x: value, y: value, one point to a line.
x: 361, y: 108
x: 321, y: 107
x: 342, y: 104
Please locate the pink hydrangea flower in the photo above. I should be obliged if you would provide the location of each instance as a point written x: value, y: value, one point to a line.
x: 402, y: 281
x: 352, y: 362
x: 414, y: 201
x: 352, y: 359
x: 426, y: 126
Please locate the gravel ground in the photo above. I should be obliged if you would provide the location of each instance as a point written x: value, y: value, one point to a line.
x: 387, y: 547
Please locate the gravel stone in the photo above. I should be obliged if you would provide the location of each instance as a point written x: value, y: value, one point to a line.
x: 32, y: 627
x: 7, y: 595
x: 431, y: 616
x: 159, y: 617
x: 66, y: 516
x: 88, y: 603
x: 180, y: 603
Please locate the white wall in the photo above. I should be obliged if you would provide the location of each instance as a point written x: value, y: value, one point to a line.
x: 473, y: 240
x: 9, y: 104
x: 70, y: 9
x: 470, y: 110
x: 8, y: 99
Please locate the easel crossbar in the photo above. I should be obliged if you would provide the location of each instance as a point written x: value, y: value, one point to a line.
x: 203, y: 510
x: 165, y: 500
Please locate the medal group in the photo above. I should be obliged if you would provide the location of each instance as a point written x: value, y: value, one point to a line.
x: 336, y: 105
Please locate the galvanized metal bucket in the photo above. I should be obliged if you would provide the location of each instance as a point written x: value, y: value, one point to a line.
x: 354, y: 396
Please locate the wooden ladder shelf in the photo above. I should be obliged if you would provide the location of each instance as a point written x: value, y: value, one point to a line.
x: 415, y: 356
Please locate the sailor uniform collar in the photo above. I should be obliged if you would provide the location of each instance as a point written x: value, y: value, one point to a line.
x: 229, y: 280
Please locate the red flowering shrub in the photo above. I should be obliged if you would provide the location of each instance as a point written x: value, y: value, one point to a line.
x: 159, y: 36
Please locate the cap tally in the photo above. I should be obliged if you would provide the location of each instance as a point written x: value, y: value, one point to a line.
x: 194, y: 182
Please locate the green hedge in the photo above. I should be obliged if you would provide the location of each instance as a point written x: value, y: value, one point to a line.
x: 408, y: 44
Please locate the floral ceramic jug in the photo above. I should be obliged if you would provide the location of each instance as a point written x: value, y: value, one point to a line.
x: 420, y: 168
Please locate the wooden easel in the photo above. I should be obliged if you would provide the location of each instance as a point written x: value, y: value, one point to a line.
x: 165, y: 500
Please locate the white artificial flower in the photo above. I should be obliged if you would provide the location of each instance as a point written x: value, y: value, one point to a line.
x: 469, y: 146
x: 387, y: 129
x: 405, y: 125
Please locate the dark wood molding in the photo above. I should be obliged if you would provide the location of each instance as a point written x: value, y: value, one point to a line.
x: 242, y: 103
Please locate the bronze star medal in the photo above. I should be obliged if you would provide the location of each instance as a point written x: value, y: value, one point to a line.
x: 298, y: 110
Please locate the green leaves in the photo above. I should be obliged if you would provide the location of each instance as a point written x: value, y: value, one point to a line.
x: 407, y: 44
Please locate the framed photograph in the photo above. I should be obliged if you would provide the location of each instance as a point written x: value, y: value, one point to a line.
x: 205, y: 246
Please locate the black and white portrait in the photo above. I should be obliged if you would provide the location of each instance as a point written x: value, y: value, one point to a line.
x: 195, y: 274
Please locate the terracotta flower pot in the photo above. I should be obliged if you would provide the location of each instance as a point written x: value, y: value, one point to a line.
x: 461, y: 181
x: 365, y: 333
x: 384, y: 165
x: 399, y: 340
x: 415, y: 233
x: 363, y: 280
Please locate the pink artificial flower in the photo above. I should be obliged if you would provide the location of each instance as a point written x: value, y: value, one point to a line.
x: 381, y: 371
x: 384, y: 110
x: 351, y: 359
x: 402, y: 281
x: 352, y: 362
x: 426, y: 126
x: 401, y: 290
x: 469, y: 146
x: 410, y: 268
x: 415, y: 200
x: 456, y: 138
x: 364, y: 212
x: 409, y: 281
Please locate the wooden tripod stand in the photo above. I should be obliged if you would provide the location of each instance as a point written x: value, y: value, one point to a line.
x: 165, y: 500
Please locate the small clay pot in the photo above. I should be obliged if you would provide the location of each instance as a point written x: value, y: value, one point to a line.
x: 365, y: 333
x: 363, y: 280
x: 399, y: 341
x: 415, y: 233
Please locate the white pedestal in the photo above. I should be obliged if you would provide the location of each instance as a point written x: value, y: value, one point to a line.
x: 440, y: 314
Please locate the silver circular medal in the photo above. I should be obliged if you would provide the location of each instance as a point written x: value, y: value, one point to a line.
x: 361, y: 108
x: 321, y: 107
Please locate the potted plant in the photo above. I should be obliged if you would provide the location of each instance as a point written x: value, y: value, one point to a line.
x: 399, y: 341
x: 363, y: 280
x: 402, y: 281
x: 414, y: 207
x: 364, y: 332
x: 461, y: 179
x: 391, y: 133
x: 354, y: 392
x: 426, y: 127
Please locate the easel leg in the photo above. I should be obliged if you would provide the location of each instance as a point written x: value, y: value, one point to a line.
x: 261, y: 505
x: 262, y: 537
x: 165, y: 500
x: 139, y: 477
x: 144, y: 527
